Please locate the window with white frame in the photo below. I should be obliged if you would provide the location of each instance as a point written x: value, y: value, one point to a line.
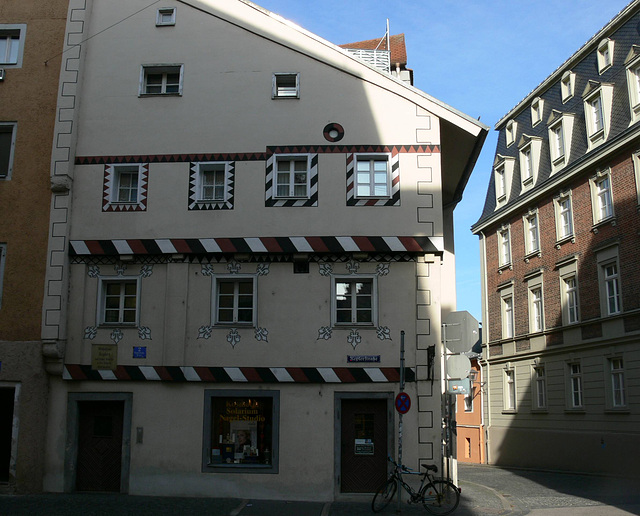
x: 285, y: 86
x: 537, y: 110
x: 529, y: 151
x: 503, y: 167
x: 632, y: 64
x: 636, y: 172
x: 567, y: 85
x: 574, y: 386
x: 617, y: 386
x: 601, y: 196
x: 12, y: 44
x: 605, y: 54
x: 611, y: 281
x: 532, y: 233
x: 556, y: 141
x: 166, y: 16
x: 536, y: 320
x: 570, y: 288
x: 504, y: 247
x: 119, y: 301
x: 510, y: 132
x: 510, y: 390
x: 125, y: 187
x: 354, y: 300
x: 539, y: 387
x: 235, y: 300
x: 560, y: 134
x: 372, y: 177
x: 564, y: 216
x: 3, y: 257
x: 161, y: 79
x: 507, y: 316
x: 212, y: 182
x: 292, y: 177
x: 7, y: 147
x: 597, y: 98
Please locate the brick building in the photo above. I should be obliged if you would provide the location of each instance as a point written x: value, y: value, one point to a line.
x: 560, y: 282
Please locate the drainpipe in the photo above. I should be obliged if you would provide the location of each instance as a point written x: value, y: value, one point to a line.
x: 485, y: 338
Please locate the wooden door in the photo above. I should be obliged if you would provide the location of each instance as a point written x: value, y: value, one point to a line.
x: 363, y: 451
x: 99, y: 464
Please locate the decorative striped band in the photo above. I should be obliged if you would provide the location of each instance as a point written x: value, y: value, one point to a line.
x: 257, y: 156
x: 415, y: 244
x: 241, y: 374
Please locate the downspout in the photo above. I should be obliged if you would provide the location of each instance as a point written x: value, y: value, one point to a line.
x: 485, y: 338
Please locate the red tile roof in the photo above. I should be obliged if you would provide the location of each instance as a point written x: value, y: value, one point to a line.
x: 396, y: 42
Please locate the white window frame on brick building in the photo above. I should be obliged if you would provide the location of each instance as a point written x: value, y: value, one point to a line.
x: 531, y: 225
x: 600, y: 186
x: 568, y: 287
x: 507, y: 319
x: 563, y: 208
x: 536, y: 308
x: 609, y: 280
x: 504, y: 246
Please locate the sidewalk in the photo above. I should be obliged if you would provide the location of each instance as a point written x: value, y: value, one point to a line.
x: 486, y: 491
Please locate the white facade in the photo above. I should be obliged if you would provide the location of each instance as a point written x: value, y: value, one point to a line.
x: 211, y: 243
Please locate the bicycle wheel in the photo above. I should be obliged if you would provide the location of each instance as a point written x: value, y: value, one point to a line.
x: 440, y: 497
x: 384, y: 495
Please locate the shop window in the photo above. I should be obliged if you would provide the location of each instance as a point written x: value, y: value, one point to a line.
x: 241, y: 429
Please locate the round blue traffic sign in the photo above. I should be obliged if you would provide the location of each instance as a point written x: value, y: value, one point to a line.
x: 403, y: 403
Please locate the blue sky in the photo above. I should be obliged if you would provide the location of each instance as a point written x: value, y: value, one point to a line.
x: 481, y: 57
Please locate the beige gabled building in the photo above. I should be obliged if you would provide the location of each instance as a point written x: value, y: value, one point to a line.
x: 254, y: 218
x: 31, y: 37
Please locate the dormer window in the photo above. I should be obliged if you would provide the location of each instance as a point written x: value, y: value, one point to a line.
x: 537, y: 107
x: 560, y: 131
x: 598, y: 99
x: 633, y: 81
x: 510, y: 131
x: 503, y: 172
x: 529, y: 150
x: 605, y: 55
x: 567, y: 85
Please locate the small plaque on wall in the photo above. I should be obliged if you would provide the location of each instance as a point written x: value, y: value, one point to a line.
x: 104, y: 356
x: 139, y: 351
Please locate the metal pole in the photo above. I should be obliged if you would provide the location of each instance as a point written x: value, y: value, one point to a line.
x: 443, y: 402
x: 399, y: 490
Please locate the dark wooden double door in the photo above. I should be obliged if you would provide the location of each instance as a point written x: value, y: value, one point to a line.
x: 364, y: 437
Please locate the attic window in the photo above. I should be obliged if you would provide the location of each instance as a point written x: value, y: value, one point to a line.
x: 166, y: 16
x: 286, y: 86
x: 605, y: 55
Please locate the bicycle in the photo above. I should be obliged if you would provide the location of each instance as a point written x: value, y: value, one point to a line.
x: 437, y: 495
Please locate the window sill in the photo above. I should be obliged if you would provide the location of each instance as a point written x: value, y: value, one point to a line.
x: 142, y: 95
x: 532, y: 254
x: 509, y: 411
x: 117, y: 325
x: 565, y: 240
x: 609, y: 220
x: 506, y: 266
x: 527, y: 181
x: 540, y: 411
x: 239, y: 468
x: 346, y: 326
x: 578, y: 410
x: 617, y: 410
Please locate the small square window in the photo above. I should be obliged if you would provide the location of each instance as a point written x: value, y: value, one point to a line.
x: 7, y: 146
x: 166, y: 16
x: 125, y: 188
x: 236, y: 300
x: 161, y: 80
x: 119, y: 301
x: 211, y: 185
x: 354, y: 301
x: 286, y: 86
